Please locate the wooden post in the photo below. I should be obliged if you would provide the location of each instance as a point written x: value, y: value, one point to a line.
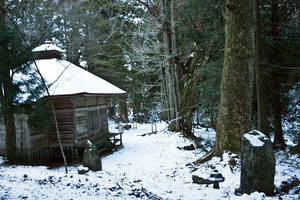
x: 121, y: 127
x: 134, y: 125
x: 153, y: 127
x: 121, y: 143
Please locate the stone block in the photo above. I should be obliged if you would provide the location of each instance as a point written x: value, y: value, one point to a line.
x: 257, y: 163
x: 90, y: 157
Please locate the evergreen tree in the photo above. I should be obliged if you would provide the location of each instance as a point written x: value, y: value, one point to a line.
x: 204, y: 25
x: 15, y: 59
x: 260, y: 78
x: 280, y: 46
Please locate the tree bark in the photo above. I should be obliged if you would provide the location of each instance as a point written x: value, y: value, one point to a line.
x: 177, y: 86
x: 123, y: 109
x: 277, y: 111
x: 237, y: 79
x: 263, y: 125
x: 187, y: 89
x: 170, y: 66
x: 8, y: 115
x: 2, y: 14
x: 166, y: 103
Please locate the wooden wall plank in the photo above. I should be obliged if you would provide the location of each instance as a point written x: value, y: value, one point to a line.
x: 91, y: 101
x: 101, y: 100
x: 2, y: 136
x: 62, y: 103
x: 79, y: 102
x: 65, y: 120
x: 22, y: 133
x: 39, y: 140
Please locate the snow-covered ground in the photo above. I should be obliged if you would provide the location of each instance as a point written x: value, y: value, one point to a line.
x: 150, y: 166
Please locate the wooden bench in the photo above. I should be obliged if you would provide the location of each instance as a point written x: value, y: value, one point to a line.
x: 110, y: 143
x: 114, y: 139
x: 102, y: 147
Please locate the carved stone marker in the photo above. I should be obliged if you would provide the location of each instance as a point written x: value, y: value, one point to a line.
x: 257, y: 163
x: 90, y: 157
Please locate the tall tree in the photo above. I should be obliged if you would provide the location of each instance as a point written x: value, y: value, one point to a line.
x: 7, y: 93
x: 281, y: 60
x: 260, y: 78
x: 6, y: 83
x: 181, y: 54
x: 15, y: 59
x: 170, y: 69
x: 202, y: 25
x: 276, y: 96
x: 237, y: 79
x: 161, y: 16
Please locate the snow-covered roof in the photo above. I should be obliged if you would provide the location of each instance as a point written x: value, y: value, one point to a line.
x: 65, y: 78
x: 47, y: 47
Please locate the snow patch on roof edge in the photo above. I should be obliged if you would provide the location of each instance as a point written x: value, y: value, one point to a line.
x: 47, y: 47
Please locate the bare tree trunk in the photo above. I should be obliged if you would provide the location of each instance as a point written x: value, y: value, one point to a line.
x: 278, y: 137
x: 177, y: 87
x: 123, y: 109
x: 277, y: 111
x: 164, y: 96
x: 168, y: 92
x: 178, y: 79
x: 237, y: 79
x: 170, y: 67
x: 174, y: 45
x: 263, y: 125
x: 2, y: 14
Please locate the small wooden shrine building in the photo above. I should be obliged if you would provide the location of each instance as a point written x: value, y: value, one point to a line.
x: 80, y: 100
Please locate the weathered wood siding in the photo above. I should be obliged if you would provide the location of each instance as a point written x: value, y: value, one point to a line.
x: 63, y: 103
x: 65, y: 119
x: 26, y: 139
x: 90, y: 119
x: 79, y: 118
x: 23, y: 139
x: 2, y: 136
x: 88, y: 101
x: 22, y: 133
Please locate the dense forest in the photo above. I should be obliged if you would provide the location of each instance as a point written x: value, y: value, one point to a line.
x: 169, y: 57
x: 205, y: 74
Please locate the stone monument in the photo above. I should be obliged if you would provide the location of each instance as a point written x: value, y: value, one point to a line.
x: 90, y: 157
x: 257, y: 163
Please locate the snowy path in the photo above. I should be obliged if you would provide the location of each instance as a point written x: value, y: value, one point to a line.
x: 148, y: 167
x: 154, y: 161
